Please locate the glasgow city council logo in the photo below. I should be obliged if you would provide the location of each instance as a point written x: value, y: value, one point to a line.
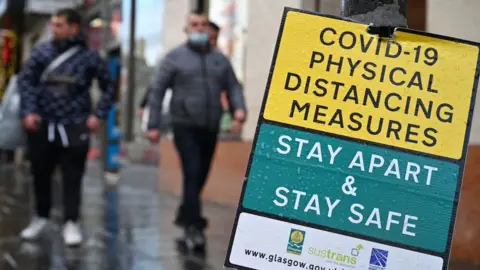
x: 295, y: 242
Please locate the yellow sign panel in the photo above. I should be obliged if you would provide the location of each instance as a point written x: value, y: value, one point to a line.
x: 413, y: 91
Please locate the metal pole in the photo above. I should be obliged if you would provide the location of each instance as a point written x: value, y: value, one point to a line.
x: 105, y: 35
x: 377, y: 12
x: 130, y: 99
x: 20, y: 29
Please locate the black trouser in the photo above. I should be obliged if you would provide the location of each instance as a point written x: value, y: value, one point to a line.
x: 68, y: 148
x: 196, y: 147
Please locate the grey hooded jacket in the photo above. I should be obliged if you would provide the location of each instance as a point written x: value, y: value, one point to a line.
x: 196, y: 79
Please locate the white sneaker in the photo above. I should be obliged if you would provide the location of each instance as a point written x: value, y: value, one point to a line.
x: 72, y: 234
x: 34, y: 229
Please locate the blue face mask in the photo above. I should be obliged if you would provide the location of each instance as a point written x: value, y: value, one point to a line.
x: 198, y: 38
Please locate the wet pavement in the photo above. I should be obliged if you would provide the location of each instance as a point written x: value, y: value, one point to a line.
x: 128, y: 226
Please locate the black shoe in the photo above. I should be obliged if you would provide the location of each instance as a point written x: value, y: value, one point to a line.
x: 179, y: 222
x: 194, y: 239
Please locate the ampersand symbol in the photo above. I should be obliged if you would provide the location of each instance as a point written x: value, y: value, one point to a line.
x: 348, y: 187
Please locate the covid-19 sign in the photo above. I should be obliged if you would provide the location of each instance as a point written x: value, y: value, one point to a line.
x: 360, y: 149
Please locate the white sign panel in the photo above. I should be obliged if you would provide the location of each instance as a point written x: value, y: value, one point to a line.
x: 50, y: 6
x: 263, y: 243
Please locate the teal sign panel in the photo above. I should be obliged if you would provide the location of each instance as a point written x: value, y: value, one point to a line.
x: 353, y: 187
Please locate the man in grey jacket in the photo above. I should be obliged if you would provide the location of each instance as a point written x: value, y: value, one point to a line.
x: 197, y: 73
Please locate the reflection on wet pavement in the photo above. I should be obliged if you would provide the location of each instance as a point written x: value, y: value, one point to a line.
x: 126, y: 227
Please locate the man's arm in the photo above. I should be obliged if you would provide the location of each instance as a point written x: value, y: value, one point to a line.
x: 106, y: 85
x: 28, y: 80
x: 234, y: 89
x: 163, y: 80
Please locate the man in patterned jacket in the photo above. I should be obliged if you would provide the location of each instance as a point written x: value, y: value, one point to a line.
x: 58, y: 115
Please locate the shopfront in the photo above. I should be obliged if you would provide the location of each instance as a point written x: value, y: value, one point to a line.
x: 11, y: 29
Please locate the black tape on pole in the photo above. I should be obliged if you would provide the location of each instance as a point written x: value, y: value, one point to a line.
x: 382, y: 31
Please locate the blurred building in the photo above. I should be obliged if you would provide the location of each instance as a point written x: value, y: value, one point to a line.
x: 10, y: 50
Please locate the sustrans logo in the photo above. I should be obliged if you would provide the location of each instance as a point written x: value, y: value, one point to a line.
x: 295, y: 242
x: 378, y: 259
x: 337, y: 257
x: 356, y: 250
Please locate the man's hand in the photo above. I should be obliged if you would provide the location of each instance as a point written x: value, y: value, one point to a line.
x: 93, y: 123
x: 32, y: 122
x: 238, y: 120
x: 240, y: 115
x: 153, y: 135
x: 236, y: 127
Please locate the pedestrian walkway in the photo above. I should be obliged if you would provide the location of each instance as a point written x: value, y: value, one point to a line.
x: 125, y: 228
x: 128, y: 227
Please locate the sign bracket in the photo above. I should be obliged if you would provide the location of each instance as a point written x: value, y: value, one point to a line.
x: 383, y: 31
